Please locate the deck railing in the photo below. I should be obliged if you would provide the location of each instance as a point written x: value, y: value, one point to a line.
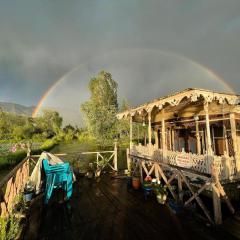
x: 201, y: 163
x: 12, y: 184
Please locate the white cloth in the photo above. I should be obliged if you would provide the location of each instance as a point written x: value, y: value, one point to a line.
x: 36, y: 176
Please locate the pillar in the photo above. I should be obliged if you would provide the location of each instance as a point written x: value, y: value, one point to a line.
x: 149, y: 128
x: 163, y: 136
x: 156, y: 137
x: 198, y: 138
x: 208, y: 140
x: 234, y: 139
x: 115, y: 156
x: 130, y: 133
x: 173, y: 139
x: 217, y: 206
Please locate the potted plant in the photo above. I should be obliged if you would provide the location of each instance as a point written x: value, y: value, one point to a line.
x: 136, y: 182
x: 161, y: 194
x: 147, y: 183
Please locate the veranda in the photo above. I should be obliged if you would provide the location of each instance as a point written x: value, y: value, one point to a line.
x: 196, y: 136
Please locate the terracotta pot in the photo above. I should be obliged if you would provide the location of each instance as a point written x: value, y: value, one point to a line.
x: 136, y: 182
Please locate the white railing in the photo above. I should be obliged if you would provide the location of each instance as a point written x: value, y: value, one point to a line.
x: 201, y: 163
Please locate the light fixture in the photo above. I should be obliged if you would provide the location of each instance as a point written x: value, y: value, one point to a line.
x: 196, y: 117
x: 143, y: 123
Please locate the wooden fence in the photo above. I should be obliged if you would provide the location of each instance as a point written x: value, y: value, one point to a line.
x: 12, y: 184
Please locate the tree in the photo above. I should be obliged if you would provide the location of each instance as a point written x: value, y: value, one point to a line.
x: 50, y: 123
x: 100, y: 111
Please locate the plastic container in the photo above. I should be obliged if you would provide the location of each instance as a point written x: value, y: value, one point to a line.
x: 175, y: 207
x: 28, y: 196
x: 136, y: 183
x: 129, y: 181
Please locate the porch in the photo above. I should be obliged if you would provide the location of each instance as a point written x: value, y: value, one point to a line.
x: 194, y: 129
x: 106, y: 209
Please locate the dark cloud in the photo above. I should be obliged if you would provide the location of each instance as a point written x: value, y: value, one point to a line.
x: 41, y: 40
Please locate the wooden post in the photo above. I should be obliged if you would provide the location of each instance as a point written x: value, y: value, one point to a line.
x: 163, y: 136
x: 128, y: 160
x: 140, y: 170
x: 225, y: 138
x: 198, y: 138
x: 169, y: 138
x: 213, y: 141
x: 156, y: 138
x: 115, y: 156
x: 208, y: 139
x: 217, y: 206
x: 130, y: 132
x: 180, y: 193
x: 234, y: 139
x: 209, y: 142
x: 149, y: 128
x: 173, y: 139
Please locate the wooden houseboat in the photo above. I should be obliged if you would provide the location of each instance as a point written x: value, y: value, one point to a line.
x: 196, y: 136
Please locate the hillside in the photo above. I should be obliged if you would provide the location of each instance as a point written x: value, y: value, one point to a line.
x: 70, y: 116
x: 16, y: 108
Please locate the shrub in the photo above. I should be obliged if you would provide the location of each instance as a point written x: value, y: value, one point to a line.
x: 9, y: 227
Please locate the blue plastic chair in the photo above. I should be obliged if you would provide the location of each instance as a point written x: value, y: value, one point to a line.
x: 57, y: 176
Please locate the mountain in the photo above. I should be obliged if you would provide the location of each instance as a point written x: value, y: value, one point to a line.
x: 16, y: 108
x: 69, y: 116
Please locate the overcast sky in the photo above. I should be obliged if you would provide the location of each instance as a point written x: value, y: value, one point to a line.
x: 151, y: 47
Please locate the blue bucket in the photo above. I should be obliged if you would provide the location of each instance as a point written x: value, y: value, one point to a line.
x: 129, y: 181
x: 28, y: 196
x: 175, y: 207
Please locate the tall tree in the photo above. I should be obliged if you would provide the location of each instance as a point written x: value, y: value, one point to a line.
x: 100, y: 111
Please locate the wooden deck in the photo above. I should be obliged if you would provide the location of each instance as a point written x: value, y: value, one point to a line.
x: 107, y: 210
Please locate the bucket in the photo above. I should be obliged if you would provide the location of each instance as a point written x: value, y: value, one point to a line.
x: 129, y: 181
x: 136, y: 183
x: 28, y: 196
x: 175, y: 207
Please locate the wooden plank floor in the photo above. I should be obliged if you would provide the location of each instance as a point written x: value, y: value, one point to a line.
x: 107, y: 210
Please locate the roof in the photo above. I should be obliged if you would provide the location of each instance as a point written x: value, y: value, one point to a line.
x: 194, y: 94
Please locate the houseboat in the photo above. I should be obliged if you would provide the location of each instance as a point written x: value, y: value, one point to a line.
x: 196, y: 136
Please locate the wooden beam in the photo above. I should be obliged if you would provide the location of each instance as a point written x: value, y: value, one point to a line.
x: 198, y: 137
x: 166, y: 181
x: 216, y: 205
x: 149, y: 129
x: 197, y: 193
x: 198, y: 199
x: 130, y: 131
x: 234, y: 139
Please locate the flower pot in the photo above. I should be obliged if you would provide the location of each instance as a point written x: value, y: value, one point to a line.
x: 161, y: 198
x: 136, y: 183
x: 147, y: 185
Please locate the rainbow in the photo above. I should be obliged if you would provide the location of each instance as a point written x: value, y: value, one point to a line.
x: 66, y: 75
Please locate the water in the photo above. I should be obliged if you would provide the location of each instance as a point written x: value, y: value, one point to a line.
x: 80, y: 161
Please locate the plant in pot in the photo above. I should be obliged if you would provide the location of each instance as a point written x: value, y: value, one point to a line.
x: 147, y: 183
x: 161, y: 194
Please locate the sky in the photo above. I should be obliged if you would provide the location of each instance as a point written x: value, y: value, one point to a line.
x: 152, y: 48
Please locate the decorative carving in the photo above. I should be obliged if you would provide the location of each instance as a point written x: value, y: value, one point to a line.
x: 196, y: 162
x: 194, y: 97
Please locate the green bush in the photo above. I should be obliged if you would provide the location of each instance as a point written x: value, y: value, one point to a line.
x: 9, y: 227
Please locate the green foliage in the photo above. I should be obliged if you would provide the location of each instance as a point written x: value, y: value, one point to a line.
x: 16, y: 127
x: 9, y: 227
x: 49, y: 123
x: 100, y: 111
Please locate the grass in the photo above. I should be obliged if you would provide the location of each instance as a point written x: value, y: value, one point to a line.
x: 8, y: 161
